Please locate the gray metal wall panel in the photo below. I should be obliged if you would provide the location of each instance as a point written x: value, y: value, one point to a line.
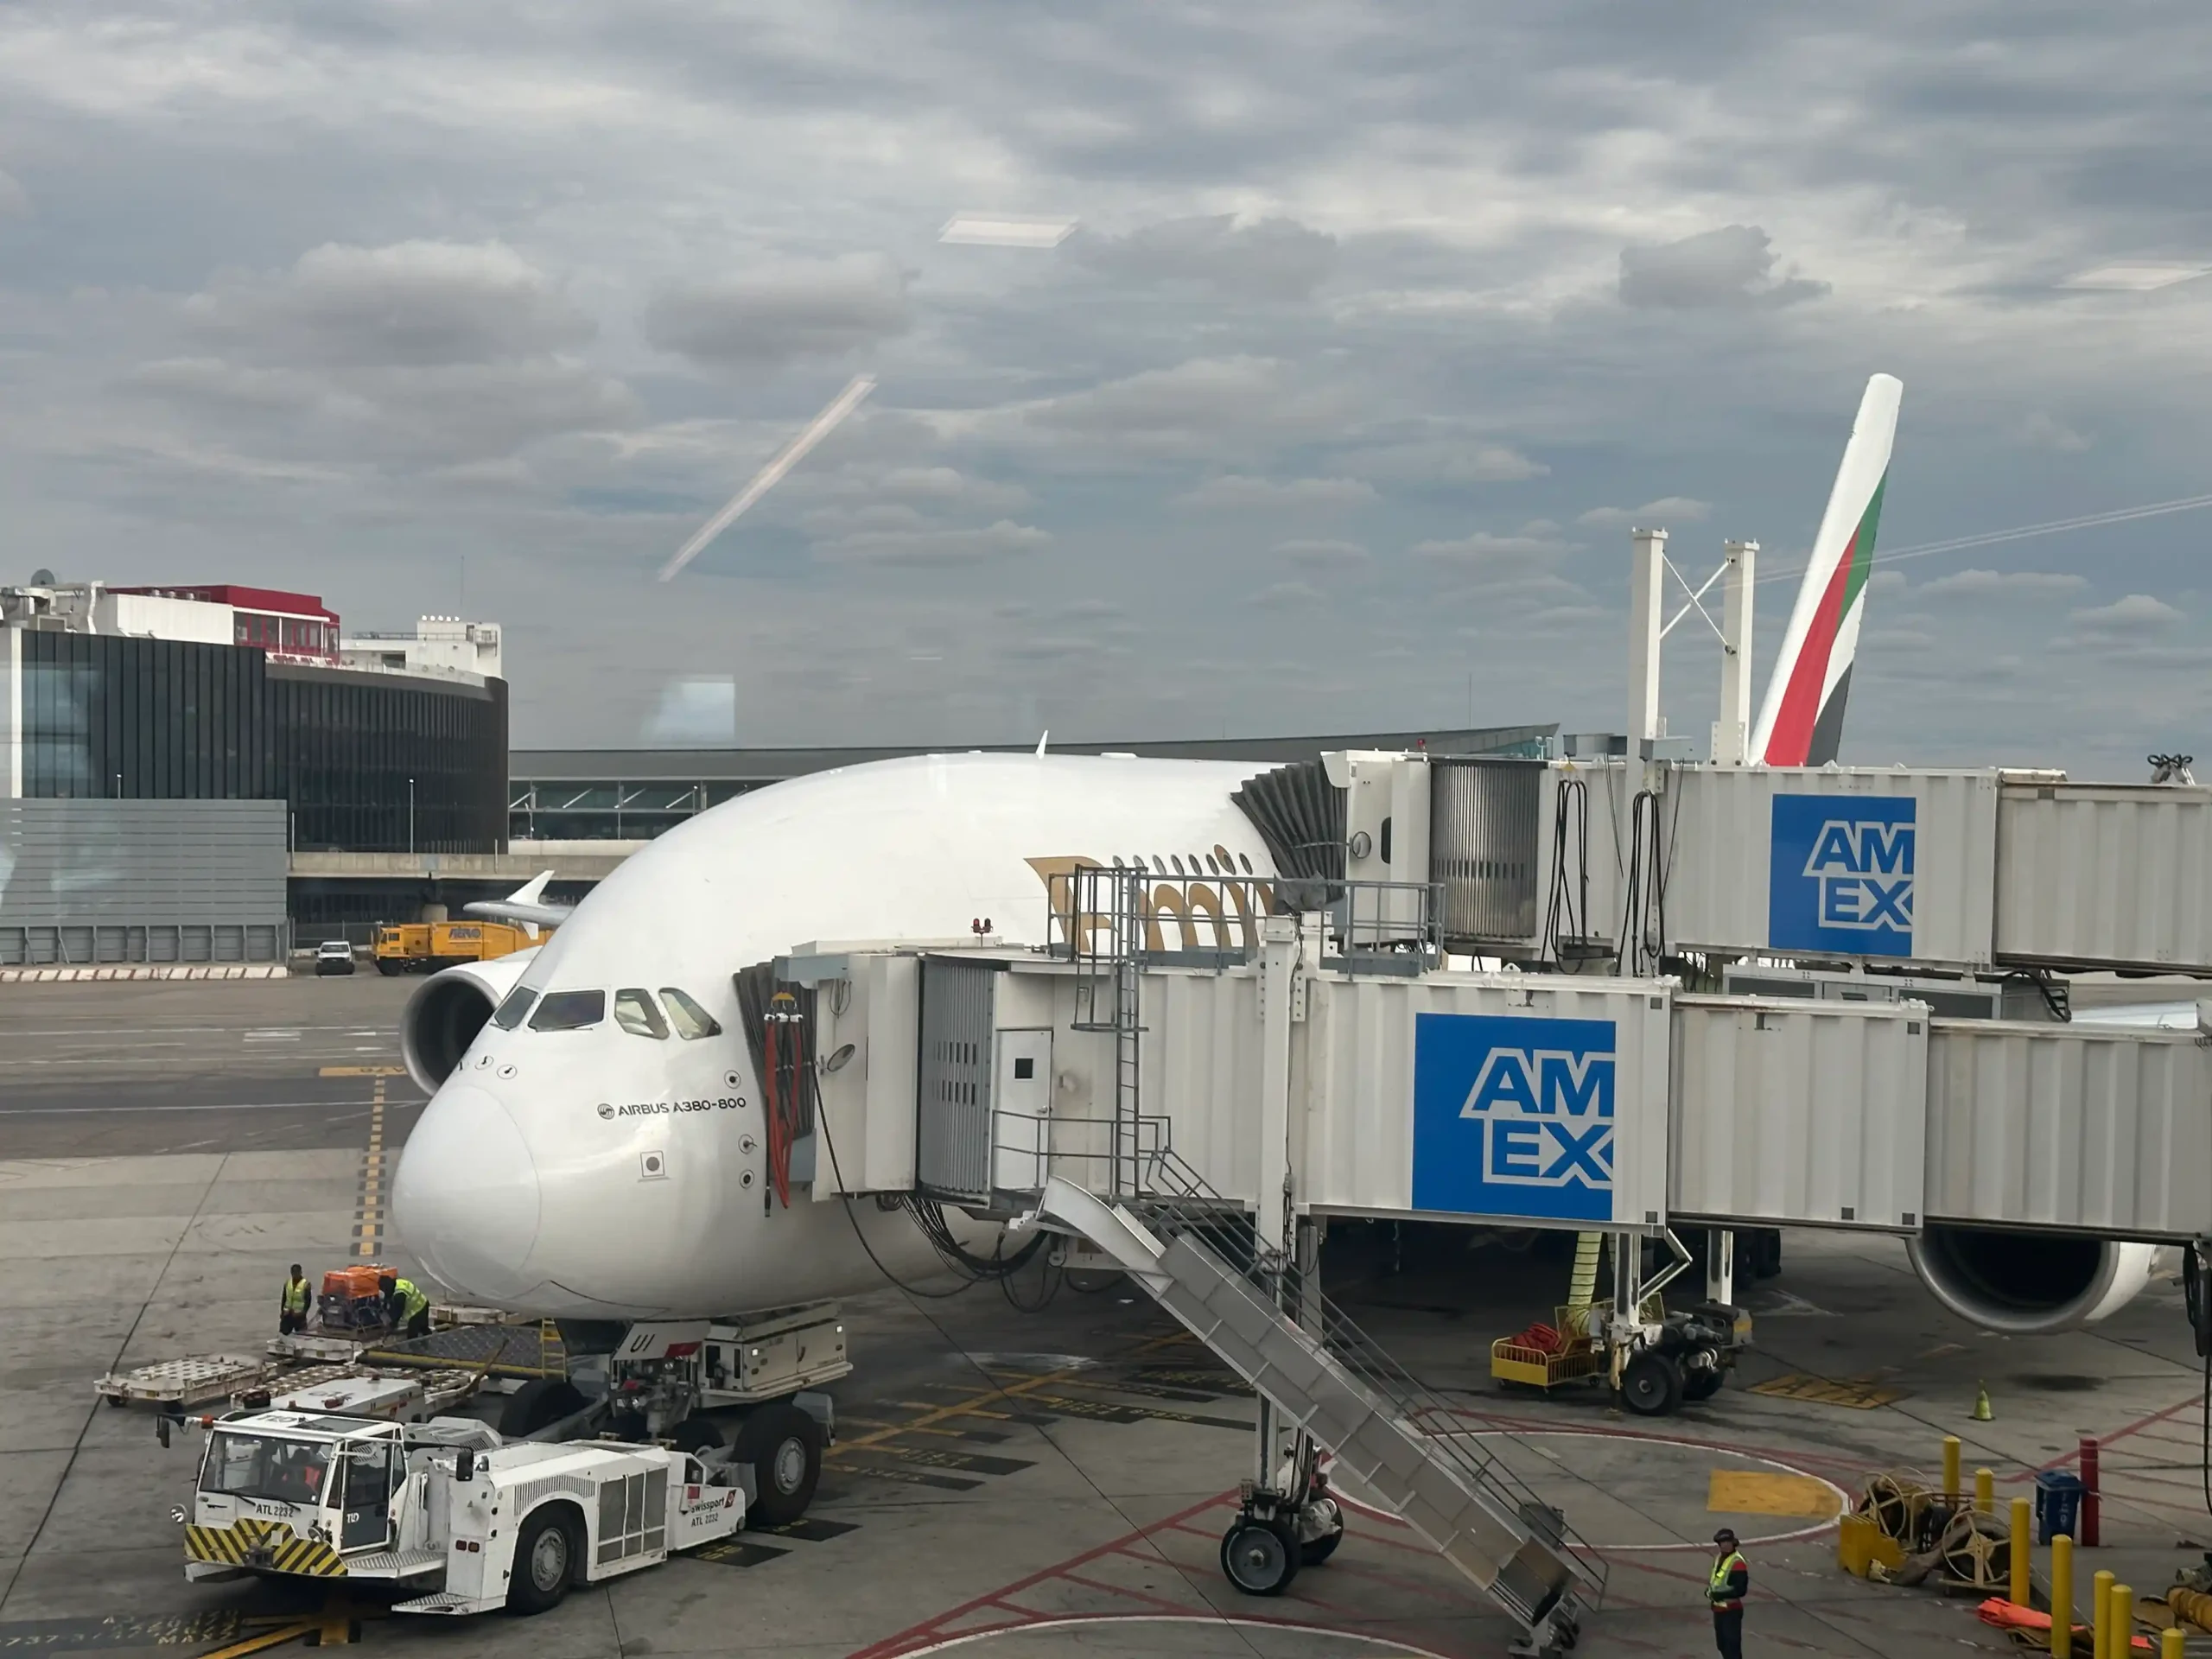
x: 2057, y: 1125
x: 1799, y: 1112
x: 2105, y: 873
x: 70, y: 869
x: 1719, y: 831
x: 952, y: 1132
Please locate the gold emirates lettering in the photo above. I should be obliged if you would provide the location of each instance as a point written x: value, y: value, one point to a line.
x: 1217, y: 905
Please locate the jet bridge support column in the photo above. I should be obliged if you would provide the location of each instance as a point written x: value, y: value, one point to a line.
x: 1278, y: 1234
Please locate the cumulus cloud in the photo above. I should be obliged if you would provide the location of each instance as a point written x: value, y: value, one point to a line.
x: 781, y: 312
x: 694, y: 711
x: 1233, y: 492
x: 2002, y: 584
x: 1482, y: 550
x: 1269, y: 259
x: 407, y: 303
x: 1668, y: 509
x: 1319, y: 554
x: 2044, y: 431
x: 935, y: 546
x: 1196, y: 406
x: 1452, y: 460
x: 2127, y: 620
x: 1730, y: 267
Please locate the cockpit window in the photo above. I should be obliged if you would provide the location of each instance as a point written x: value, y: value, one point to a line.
x: 636, y: 1013
x: 512, y: 1011
x: 569, y: 1011
x: 691, y: 1021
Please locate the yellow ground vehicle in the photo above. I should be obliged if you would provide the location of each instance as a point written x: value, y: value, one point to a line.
x: 425, y: 947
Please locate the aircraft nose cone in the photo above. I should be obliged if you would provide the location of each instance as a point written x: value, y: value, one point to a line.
x: 464, y: 1198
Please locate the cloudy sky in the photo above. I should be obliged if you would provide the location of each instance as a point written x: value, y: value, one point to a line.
x: 1380, y: 324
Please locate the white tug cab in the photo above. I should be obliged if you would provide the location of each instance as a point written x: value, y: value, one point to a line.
x: 446, y: 1508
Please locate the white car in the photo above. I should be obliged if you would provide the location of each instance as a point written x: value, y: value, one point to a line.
x: 333, y: 956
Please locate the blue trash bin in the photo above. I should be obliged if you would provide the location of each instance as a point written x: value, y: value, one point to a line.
x: 2058, y: 1505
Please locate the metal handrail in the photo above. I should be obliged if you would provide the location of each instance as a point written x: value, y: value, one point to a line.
x: 1228, y: 1239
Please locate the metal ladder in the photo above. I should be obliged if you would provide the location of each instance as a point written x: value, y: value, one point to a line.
x: 1197, y: 1257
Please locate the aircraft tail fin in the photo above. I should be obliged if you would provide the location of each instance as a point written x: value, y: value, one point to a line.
x: 1800, y: 721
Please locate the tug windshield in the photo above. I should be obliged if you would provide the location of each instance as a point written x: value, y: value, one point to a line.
x: 276, y: 1468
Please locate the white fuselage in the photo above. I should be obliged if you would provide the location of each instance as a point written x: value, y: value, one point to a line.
x: 526, y: 1186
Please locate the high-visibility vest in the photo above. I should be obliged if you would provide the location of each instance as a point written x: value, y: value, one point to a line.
x: 1721, y: 1569
x: 411, y: 1299
x: 295, y: 1296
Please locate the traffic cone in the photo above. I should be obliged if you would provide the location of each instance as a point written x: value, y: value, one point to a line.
x: 1982, y: 1412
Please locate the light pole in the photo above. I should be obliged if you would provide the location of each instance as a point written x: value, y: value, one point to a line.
x: 410, y: 817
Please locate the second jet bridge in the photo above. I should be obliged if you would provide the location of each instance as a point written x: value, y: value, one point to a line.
x: 1508, y: 1099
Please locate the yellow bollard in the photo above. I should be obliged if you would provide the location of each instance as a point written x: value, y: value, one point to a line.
x: 2172, y: 1644
x: 2101, y: 1615
x: 2123, y: 1622
x: 2062, y: 1597
x: 1951, y: 1467
x: 2019, y: 1551
x: 1985, y: 1491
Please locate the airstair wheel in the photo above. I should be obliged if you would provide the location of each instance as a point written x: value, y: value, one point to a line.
x: 1260, y: 1557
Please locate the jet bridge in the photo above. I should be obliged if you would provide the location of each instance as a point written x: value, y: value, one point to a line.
x: 1171, y: 1068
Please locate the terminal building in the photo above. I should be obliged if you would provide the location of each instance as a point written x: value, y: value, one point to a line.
x: 286, y: 733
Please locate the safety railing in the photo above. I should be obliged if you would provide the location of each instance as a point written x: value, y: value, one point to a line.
x: 1181, y: 1204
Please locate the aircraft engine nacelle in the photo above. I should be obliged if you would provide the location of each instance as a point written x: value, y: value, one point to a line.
x: 2024, y: 1284
x: 443, y: 1016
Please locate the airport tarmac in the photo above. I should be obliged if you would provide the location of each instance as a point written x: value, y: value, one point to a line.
x: 1016, y: 1484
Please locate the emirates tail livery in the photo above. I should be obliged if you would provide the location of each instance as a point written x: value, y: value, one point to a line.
x: 1800, y: 723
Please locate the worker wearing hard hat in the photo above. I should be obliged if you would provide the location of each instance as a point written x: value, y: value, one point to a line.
x: 405, y: 1307
x: 1730, y: 1582
x: 292, y: 1306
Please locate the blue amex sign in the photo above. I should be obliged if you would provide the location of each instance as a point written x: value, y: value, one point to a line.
x: 1514, y: 1116
x: 1841, y: 874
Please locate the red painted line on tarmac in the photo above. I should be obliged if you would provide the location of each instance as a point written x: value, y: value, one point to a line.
x: 1161, y: 1602
x: 929, y: 1630
x: 2104, y: 1441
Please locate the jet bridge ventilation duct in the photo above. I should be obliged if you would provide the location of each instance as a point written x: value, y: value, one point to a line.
x: 1482, y: 846
x: 447, y: 1011
x: 1300, y: 816
x: 2028, y: 1284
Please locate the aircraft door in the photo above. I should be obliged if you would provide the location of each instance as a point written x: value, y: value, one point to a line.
x: 1022, y: 1102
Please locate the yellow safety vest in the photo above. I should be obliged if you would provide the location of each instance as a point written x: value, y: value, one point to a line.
x: 295, y: 1296
x: 1722, y: 1568
x: 411, y: 1299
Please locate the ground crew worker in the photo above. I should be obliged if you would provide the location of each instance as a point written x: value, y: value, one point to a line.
x: 1732, y: 1580
x: 292, y: 1306
x: 405, y: 1307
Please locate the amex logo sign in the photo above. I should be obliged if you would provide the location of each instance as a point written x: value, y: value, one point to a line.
x: 1841, y: 874
x: 1513, y: 1116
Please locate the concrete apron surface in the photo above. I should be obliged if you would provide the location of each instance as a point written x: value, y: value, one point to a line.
x: 1017, y: 1483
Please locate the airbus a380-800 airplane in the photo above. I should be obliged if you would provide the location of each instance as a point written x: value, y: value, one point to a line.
x: 519, y: 1188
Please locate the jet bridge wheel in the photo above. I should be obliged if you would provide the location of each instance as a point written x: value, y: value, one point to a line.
x: 784, y: 1446
x: 1651, y: 1384
x: 1702, y: 1384
x: 1260, y: 1557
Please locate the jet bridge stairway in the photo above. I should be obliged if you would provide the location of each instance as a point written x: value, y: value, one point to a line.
x: 1331, y: 1382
